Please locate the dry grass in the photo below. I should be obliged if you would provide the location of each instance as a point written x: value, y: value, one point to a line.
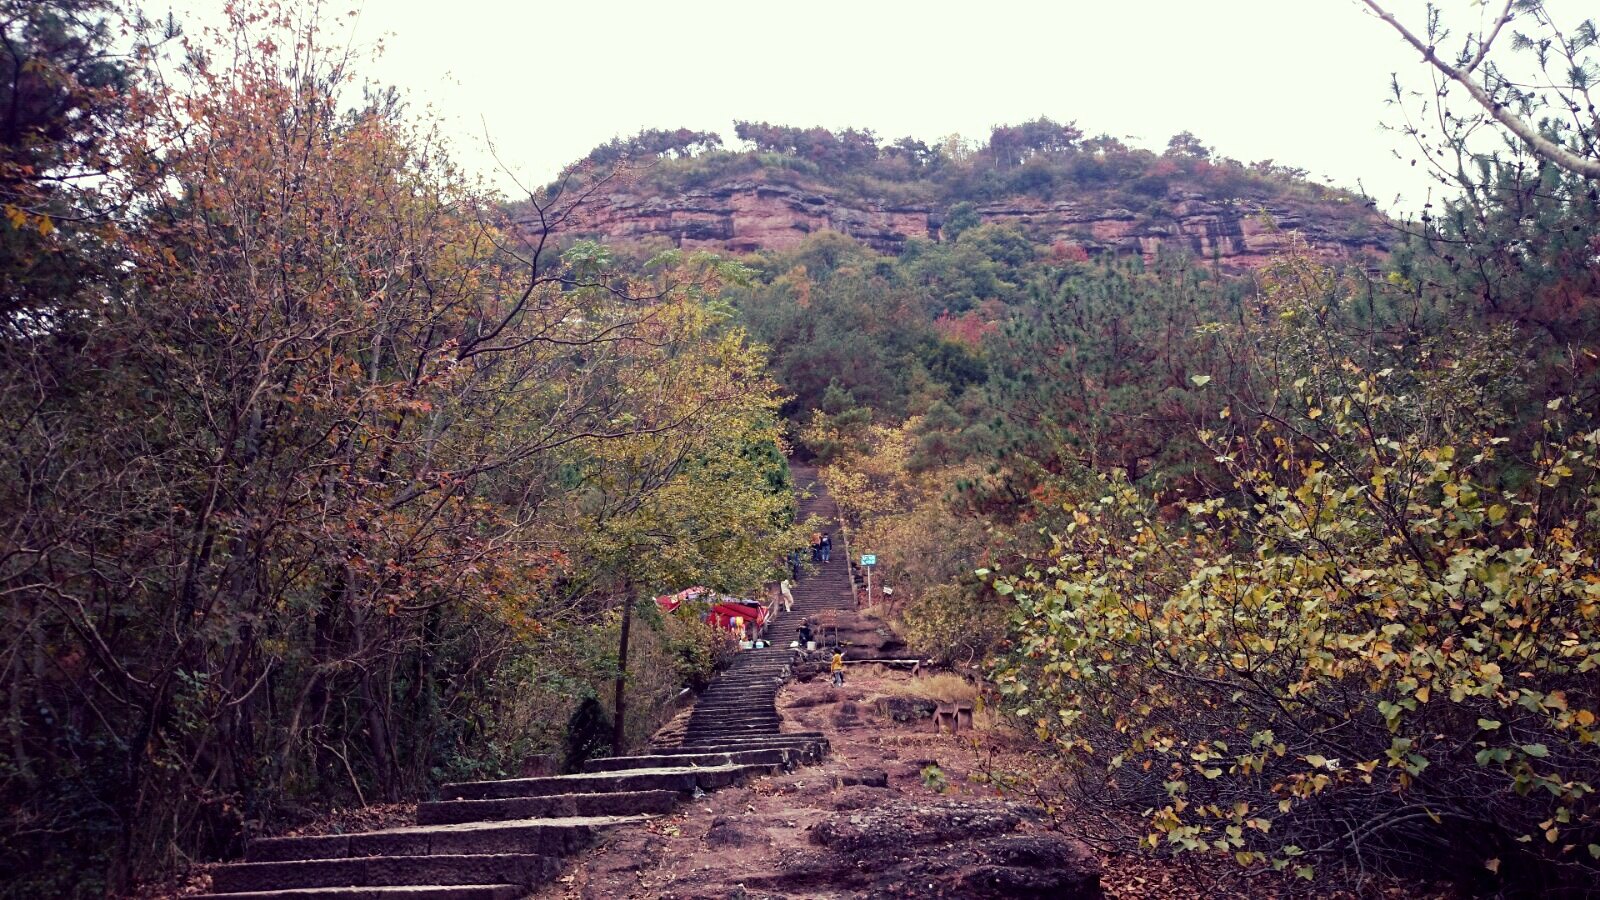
x: 945, y: 687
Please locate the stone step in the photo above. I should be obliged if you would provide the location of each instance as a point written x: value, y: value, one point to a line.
x: 682, y: 780
x: 775, y: 756
x: 522, y: 869
x: 545, y: 837
x: 782, y: 738
x: 752, y: 740
x: 736, y: 726
x: 769, y: 727
x: 396, y: 892
x: 552, y: 806
x: 807, y: 751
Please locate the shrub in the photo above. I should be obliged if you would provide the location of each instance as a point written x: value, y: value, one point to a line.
x: 1381, y: 647
x: 949, y: 623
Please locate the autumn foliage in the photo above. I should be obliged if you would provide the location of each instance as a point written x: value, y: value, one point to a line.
x: 307, y: 496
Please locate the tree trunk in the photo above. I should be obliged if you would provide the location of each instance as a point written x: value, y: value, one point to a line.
x: 619, y: 720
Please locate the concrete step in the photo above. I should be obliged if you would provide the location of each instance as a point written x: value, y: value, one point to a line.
x: 522, y: 869
x: 545, y: 837
x: 680, y: 779
x: 553, y: 806
x: 396, y: 892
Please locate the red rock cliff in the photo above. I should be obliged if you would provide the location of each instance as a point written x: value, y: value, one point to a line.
x: 754, y: 213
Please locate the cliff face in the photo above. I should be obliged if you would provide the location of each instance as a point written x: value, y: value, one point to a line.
x: 745, y: 215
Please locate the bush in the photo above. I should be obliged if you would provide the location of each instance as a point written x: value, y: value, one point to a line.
x: 949, y: 624
x: 1381, y: 649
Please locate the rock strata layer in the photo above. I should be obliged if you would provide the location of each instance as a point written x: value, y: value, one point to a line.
x: 752, y: 214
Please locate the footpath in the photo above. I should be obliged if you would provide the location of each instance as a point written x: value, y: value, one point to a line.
x: 894, y: 810
x: 741, y: 796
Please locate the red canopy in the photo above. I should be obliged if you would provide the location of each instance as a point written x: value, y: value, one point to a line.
x: 724, y: 609
x: 722, y: 614
x: 670, y: 602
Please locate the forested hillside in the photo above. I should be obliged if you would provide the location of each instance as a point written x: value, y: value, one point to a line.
x: 329, y: 475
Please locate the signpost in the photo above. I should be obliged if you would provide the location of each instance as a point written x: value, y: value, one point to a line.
x: 868, y: 560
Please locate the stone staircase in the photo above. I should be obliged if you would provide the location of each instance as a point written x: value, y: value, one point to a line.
x: 498, y: 840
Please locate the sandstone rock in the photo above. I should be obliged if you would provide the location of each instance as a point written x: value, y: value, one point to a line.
x: 906, y: 709
x: 906, y: 823
x: 857, y: 797
x: 763, y: 213
x: 868, y: 777
x: 725, y: 832
x: 949, y: 849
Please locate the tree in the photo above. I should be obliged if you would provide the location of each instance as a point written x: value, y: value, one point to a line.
x: 1562, y: 59
x: 1332, y: 641
x: 845, y: 150
x: 1099, y: 371
x: 290, y: 505
x: 654, y: 142
x: 61, y: 97
x: 1011, y: 145
x: 1185, y: 144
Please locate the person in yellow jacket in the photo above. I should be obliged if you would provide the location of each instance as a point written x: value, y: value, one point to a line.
x: 837, y: 668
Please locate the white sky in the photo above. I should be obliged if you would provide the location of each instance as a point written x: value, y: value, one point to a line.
x: 1303, y: 82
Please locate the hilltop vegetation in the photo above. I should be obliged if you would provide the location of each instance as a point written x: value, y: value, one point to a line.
x: 1042, y: 158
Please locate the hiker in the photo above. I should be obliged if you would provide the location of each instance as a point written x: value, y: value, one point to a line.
x: 804, y: 636
x: 837, y: 667
x: 788, y: 596
x: 827, y: 546
x: 816, y: 546
x: 794, y: 565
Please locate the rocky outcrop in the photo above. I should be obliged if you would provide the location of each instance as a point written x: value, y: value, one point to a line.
x: 750, y: 214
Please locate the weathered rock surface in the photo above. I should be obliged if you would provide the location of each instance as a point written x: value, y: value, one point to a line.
x: 950, y: 849
x: 906, y: 709
x: 757, y: 213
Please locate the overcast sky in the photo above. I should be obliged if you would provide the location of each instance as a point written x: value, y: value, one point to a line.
x: 1302, y: 82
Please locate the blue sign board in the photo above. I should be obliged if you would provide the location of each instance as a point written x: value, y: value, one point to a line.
x: 869, y: 559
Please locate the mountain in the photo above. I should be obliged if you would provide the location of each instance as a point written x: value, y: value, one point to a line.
x: 1083, y: 197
